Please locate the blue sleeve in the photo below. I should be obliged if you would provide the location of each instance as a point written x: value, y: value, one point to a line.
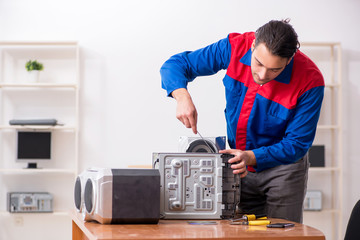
x: 184, y: 67
x: 299, y: 134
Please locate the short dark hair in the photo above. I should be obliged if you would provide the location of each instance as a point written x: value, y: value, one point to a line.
x: 279, y: 37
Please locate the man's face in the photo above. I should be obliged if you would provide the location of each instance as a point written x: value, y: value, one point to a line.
x: 264, y: 65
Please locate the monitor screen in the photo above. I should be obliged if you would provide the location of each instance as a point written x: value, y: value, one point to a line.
x: 34, y: 145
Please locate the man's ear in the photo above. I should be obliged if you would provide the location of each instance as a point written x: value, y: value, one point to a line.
x: 253, y: 46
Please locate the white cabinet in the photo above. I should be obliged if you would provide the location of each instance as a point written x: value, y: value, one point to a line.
x: 328, y: 179
x: 54, y: 96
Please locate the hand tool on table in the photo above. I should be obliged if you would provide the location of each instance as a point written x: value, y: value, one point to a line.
x: 250, y: 217
x: 252, y: 223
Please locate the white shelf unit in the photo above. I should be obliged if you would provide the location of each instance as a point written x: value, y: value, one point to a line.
x: 328, y: 179
x: 55, y: 95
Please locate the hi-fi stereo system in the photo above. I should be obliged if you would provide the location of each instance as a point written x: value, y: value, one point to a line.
x: 195, y: 183
x: 29, y: 202
x: 197, y: 186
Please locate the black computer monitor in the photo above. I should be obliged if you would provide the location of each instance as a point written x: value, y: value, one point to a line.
x: 33, y: 146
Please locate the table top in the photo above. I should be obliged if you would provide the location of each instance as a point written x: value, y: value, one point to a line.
x: 181, y: 229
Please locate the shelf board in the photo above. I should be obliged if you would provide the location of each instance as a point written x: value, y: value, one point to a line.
x: 324, y: 169
x: 323, y: 211
x: 38, y: 85
x: 58, y: 43
x: 332, y: 85
x: 36, y: 171
x: 319, y: 44
x: 56, y: 213
x: 328, y: 127
x: 37, y: 127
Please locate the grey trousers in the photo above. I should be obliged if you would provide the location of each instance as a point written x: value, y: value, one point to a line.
x: 277, y: 192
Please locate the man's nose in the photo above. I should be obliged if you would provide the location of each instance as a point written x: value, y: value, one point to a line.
x: 263, y: 73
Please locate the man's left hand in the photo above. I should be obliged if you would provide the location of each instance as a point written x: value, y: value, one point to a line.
x: 240, y: 161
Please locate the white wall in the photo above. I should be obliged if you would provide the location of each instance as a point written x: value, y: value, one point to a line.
x: 125, y: 115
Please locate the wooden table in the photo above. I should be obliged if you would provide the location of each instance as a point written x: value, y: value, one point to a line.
x: 181, y: 229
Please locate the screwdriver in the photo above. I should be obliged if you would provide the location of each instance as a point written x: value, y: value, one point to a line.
x: 250, y: 217
x: 205, y: 142
x: 252, y: 223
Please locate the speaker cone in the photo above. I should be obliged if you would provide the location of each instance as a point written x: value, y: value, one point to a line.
x: 201, y: 147
x: 88, y: 196
x: 77, y: 194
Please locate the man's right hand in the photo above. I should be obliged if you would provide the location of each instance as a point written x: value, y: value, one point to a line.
x: 185, y: 110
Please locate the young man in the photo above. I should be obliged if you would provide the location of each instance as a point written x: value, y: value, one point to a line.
x: 273, y: 99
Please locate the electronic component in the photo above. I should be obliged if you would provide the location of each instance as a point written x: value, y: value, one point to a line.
x: 118, y: 195
x: 317, y: 156
x: 33, y: 146
x: 50, y: 122
x: 197, y: 185
x: 313, y: 200
x: 29, y: 202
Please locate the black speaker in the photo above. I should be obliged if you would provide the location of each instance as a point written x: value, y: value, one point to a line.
x: 317, y: 156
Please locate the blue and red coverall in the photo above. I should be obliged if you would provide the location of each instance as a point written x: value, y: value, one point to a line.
x: 277, y: 120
